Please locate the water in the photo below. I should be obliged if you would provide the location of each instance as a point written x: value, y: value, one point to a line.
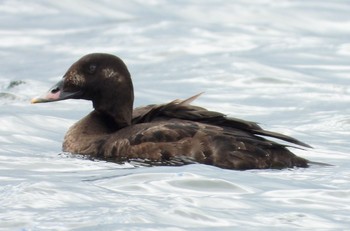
x: 283, y: 63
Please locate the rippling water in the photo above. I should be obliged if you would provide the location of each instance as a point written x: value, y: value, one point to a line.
x: 283, y: 63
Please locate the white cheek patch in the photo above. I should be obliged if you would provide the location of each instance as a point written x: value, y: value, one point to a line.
x: 76, y: 79
x: 110, y: 73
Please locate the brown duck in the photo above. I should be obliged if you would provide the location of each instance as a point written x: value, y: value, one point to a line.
x: 174, y: 133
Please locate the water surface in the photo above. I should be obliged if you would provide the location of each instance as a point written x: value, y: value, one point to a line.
x: 283, y: 63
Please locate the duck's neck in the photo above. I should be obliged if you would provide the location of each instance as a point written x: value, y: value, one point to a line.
x: 116, y: 107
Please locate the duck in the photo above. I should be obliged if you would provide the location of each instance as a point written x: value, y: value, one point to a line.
x: 170, y: 134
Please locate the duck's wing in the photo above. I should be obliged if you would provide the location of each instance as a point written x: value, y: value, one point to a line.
x: 181, y: 109
x: 177, y: 142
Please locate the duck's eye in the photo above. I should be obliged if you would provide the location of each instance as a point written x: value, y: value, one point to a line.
x: 92, y: 68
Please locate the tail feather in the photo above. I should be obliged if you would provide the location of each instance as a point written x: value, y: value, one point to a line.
x: 281, y: 136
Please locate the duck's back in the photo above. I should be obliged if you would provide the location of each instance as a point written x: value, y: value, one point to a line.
x: 210, y: 137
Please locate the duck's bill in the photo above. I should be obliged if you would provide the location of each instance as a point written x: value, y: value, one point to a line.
x: 56, y: 93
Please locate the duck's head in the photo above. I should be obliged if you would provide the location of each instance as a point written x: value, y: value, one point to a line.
x: 102, y: 78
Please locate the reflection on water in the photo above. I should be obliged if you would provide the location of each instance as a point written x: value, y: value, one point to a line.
x: 251, y: 60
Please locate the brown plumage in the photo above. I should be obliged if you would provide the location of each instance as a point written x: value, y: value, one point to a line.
x: 175, y: 133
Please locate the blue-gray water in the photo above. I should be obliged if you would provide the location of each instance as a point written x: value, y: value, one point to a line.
x: 282, y: 63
